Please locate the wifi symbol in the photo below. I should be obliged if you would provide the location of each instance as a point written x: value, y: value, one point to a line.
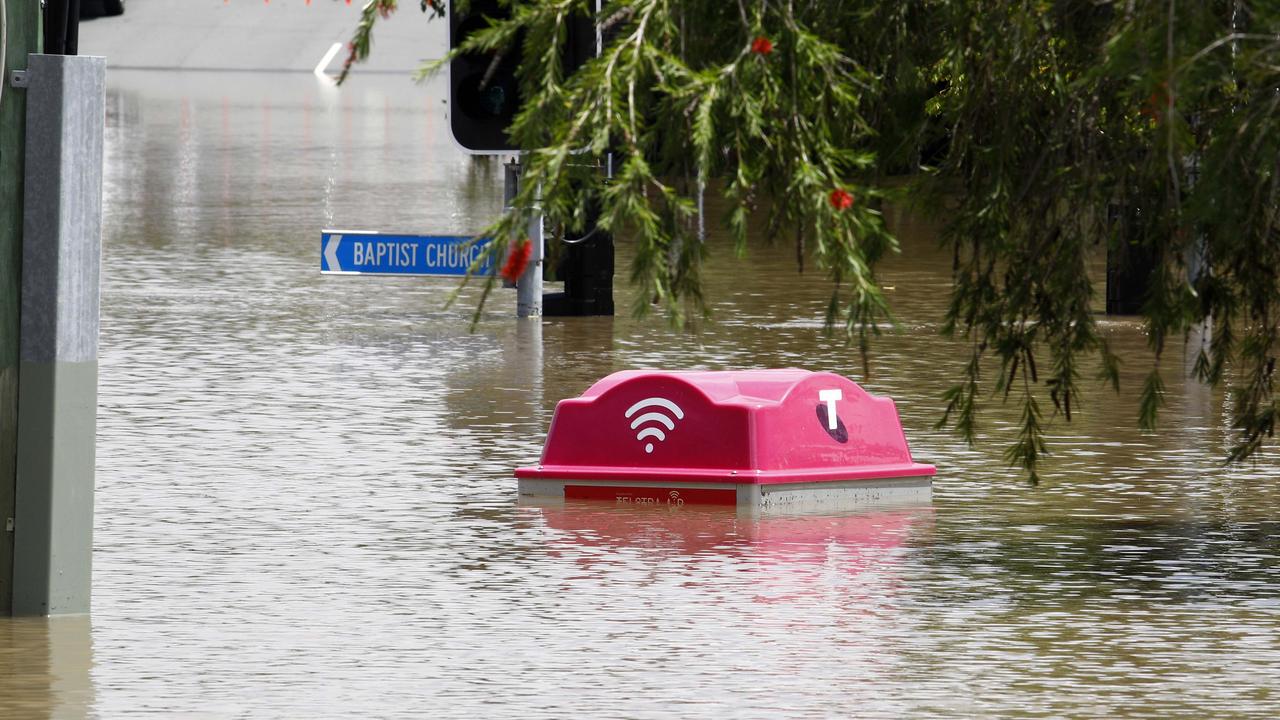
x: 654, y: 431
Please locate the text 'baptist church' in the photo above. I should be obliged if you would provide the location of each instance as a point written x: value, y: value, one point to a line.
x: 378, y: 254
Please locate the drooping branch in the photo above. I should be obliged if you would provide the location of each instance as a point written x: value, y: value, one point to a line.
x: 1044, y: 135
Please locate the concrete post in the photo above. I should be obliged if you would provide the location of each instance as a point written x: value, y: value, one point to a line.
x: 58, y: 369
x: 22, y: 36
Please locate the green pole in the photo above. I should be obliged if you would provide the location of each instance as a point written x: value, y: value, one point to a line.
x: 21, y: 36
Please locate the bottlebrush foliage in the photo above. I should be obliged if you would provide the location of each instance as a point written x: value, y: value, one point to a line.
x: 1043, y: 133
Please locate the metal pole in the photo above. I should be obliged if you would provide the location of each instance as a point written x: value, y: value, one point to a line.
x: 510, y: 183
x: 529, y: 288
x: 20, y: 36
x: 58, y: 376
x: 510, y: 186
x: 62, y: 27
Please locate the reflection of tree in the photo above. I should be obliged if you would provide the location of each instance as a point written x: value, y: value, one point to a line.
x: 1181, y: 559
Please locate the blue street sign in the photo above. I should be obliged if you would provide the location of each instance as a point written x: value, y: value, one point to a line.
x: 370, y: 253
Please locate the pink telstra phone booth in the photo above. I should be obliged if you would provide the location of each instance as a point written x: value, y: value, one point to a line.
x: 774, y: 439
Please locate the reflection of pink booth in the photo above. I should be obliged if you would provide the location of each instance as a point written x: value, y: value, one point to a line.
x: 787, y: 559
x: 774, y: 438
x: 713, y: 529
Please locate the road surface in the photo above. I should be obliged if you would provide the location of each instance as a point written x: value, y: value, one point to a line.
x: 244, y: 35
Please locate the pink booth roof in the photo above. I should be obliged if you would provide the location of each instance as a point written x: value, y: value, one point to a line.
x: 751, y: 426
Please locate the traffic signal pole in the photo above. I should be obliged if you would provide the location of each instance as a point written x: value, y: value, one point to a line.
x: 484, y: 98
x: 529, y: 285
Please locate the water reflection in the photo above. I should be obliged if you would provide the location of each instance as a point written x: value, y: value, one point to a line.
x: 512, y: 380
x: 781, y: 558
x: 696, y: 529
x: 46, y: 667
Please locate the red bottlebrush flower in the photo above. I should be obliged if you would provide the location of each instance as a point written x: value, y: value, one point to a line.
x: 762, y: 45
x: 840, y: 199
x: 517, y: 260
x: 1156, y: 104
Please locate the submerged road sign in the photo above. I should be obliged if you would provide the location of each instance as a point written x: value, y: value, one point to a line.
x: 371, y: 253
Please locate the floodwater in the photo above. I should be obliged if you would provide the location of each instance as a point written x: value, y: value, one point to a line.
x: 305, y: 505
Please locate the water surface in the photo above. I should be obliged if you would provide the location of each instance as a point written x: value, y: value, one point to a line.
x: 305, y: 506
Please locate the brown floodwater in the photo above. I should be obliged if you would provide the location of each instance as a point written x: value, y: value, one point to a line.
x: 305, y: 505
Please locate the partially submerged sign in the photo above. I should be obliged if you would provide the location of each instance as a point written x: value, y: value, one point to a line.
x: 371, y: 253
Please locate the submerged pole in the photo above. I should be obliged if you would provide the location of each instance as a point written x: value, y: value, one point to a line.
x: 529, y: 287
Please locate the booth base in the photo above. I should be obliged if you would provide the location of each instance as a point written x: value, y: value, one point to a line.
x: 786, y: 497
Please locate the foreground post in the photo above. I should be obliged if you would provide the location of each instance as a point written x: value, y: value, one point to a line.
x: 58, y: 369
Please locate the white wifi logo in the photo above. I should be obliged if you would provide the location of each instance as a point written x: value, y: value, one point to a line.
x: 653, y: 431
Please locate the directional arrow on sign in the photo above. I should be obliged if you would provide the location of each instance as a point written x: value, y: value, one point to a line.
x: 331, y: 253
